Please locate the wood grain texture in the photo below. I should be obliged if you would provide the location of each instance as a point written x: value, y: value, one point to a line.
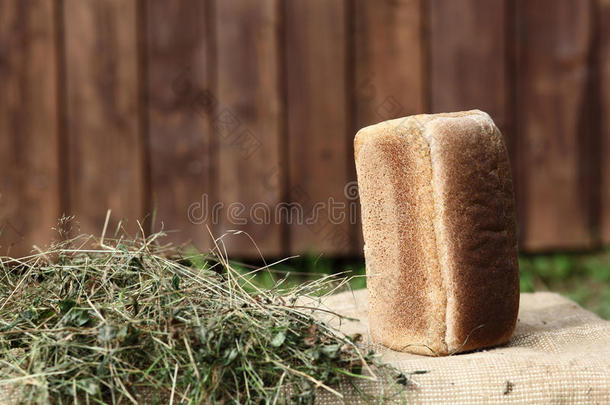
x: 317, y: 113
x: 468, y: 63
x: 603, y: 7
x: 76, y: 133
x: 553, y: 41
x: 467, y: 48
x: 248, y: 125
x: 180, y: 106
x: 389, y: 77
x: 29, y: 182
x: 105, y: 149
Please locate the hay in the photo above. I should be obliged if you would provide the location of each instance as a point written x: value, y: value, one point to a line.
x: 131, y: 320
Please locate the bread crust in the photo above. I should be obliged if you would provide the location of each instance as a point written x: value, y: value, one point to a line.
x: 439, y: 228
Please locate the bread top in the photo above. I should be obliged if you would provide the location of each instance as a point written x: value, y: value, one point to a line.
x: 412, y: 125
x: 473, y: 218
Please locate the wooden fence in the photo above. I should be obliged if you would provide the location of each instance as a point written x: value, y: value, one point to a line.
x: 186, y: 108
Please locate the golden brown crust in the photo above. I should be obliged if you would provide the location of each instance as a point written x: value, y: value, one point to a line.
x: 394, y: 175
x: 443, y: 271
x: 473, y: 188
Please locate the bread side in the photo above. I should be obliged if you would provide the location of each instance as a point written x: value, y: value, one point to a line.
x: 473, y: 194
x: 406, y: 295
x: 439, y: 230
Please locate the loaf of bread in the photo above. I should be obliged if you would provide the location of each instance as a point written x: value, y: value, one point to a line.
x: 439, y: 227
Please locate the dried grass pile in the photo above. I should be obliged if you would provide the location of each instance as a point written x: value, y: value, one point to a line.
x: 129, y: 320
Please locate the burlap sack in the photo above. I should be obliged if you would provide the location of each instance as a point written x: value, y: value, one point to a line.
x: 559, y: 353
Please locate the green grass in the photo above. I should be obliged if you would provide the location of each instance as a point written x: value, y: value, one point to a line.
x: 127, y: 320
x: 582, y: 277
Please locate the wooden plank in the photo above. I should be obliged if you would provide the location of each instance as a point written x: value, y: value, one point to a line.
x: 180, y: 106
x: 603, y: 17
x: 389, y: 79
x: 29, y: 186
x: 105, y: 149
x: 249, y: 125
x: 554, y: 39
x: 469, y: 67
x: 317, y: 113
x: 467, y: 48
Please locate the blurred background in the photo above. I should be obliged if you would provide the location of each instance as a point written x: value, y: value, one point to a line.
x: 240, y: 115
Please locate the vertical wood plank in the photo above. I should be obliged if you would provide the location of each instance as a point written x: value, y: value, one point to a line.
x: 469, y: 66
x: 248, y: 125
x: 603, y: 8
x: 317, y: 113
x: 29, y: 174
x: 106, y: 154
x: 180, y: 106
x: 554, y: 39
x: 467, y: 48
x: 389, y: 61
